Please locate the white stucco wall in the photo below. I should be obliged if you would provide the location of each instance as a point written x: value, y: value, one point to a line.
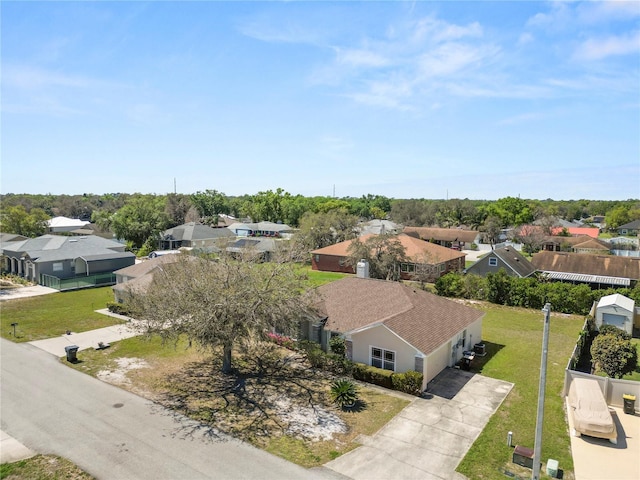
x: 380, y: 336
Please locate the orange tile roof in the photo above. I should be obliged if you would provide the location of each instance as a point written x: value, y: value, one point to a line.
x: 416, y: 249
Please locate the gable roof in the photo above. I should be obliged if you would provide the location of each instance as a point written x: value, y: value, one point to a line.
x: 515, y: 260
x: 50, y: 248
x: 574, y: 240
x: 65, y: 222
x: 379, y: 227
x: 592, y: 244
x: 422, y: 319
x: 442, y: 234
x: 195, y: 231
x: 635, y: 225
x: 146, y: 266
x: 260, y: 227
x: 617, y: 299
x: 11, y: 237
x: 417, y: 250
x: 603, y: 265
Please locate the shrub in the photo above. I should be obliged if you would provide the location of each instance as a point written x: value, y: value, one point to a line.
x: 344, y: 393
x: 118, y: 308
x: 282, y: 340
x: 614, y: 355
x: 615, y: 331
x: 408, y: 382
x: 377, y: 376
x: 337, y: 345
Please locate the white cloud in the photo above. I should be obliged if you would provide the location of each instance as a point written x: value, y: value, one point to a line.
x: 525, y: 38
x: 360, y: 58
x: 600, y: 48
x: 27, y: 77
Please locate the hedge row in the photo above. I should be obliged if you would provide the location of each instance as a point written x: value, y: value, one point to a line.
x: 502, y: 289
x: 408, y: 382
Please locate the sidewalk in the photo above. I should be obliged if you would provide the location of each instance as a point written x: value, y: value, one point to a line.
x: 90, y: 339
x: 12, y: 450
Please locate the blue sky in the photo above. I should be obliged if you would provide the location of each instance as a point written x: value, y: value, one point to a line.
x: 477, y: 100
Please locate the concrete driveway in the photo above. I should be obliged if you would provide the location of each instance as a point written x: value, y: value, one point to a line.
x: 430, y: 436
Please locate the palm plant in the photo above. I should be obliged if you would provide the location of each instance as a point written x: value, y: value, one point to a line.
x: 344, y: 393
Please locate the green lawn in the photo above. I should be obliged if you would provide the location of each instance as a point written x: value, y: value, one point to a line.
x: 50, y: 315
x: 317, y: 278
x: 514, y: 342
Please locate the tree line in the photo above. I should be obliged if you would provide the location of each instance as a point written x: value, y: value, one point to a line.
x: 140, y: 217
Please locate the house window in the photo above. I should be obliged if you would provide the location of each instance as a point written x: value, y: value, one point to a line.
x: 317, y: 258
x: 382, y: 358
x: 464, y: 338
x: 341, y: 262
x: 58, y: 267
x: 493, y: 262
x: 443, y: 267
x: 407, y: 267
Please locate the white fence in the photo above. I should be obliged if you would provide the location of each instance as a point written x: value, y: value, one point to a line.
x: 612, y: 388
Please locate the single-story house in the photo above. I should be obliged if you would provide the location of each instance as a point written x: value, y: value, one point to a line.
x: 617, y: 310
x: 264, y: 247
x: 192, y: 235
x: 557, y: 243
x: 592, y: 247
x: 456, y: 238
x: 138, y: 275
x: 593, y: 232
x: 379, y: 227
x: 393, y: 326
x: 261, y: 229
x: 631, y: 228
x: 64, y: 224
x: 599, y: 271
x: 50, y: 258
x: 423, y: 256
x: 507, y: 258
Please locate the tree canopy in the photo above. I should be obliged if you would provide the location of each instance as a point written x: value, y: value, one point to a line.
x: 614, y: 353
x: 221, y: 303
x: 17, y: 220
x: 384, y: 253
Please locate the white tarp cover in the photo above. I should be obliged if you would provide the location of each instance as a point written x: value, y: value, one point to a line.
x: 590, y: 412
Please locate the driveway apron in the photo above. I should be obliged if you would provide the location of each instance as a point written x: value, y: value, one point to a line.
x: 430, y: 436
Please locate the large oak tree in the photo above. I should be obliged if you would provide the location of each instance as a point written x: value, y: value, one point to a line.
x: 221, y: 303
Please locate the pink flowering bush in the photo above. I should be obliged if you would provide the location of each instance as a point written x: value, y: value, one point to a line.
x: 282, y: 340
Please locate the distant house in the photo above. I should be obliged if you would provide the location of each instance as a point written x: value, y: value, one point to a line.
x: 617, y: 310
x: 262, y: 247
x: 598, y: 271
x: 11, y: 237
x: 446, y: 237
x: 554, y: 243
x: 593, y: 232
x: 192, y: 235
x: 631, y: 228
x: 64, y: 261
x: 138, y: 276
x: 261, y: 229
x: 592, y: 246
x: 424, y: 257
x: 380, y: 227
x: 64, y: 224
x: 395, y: 327
x: 507, y: 258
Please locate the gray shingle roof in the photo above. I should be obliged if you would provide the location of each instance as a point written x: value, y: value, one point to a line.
x: 515, y: 260
x: 50, y: 248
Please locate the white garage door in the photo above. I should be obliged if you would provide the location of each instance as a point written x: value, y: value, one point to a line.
x: 611, y: 319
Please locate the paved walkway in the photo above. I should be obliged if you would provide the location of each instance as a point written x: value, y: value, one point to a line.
x: 429, y: 437
x: 23, y: 292
x: 90, y: 339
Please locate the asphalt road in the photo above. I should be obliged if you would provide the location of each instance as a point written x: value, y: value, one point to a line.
x: 113, y: 434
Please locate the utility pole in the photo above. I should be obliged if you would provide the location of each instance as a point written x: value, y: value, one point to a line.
x: 537, y: 449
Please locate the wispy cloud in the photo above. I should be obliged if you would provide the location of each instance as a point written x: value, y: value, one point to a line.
x: 615, y: 45
x: 29, y: 77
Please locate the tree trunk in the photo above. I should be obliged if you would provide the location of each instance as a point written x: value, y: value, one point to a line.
x: 226, y: 359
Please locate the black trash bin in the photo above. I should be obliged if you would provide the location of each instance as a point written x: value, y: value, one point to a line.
x: 629, y: 404
x: 71, y: 351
